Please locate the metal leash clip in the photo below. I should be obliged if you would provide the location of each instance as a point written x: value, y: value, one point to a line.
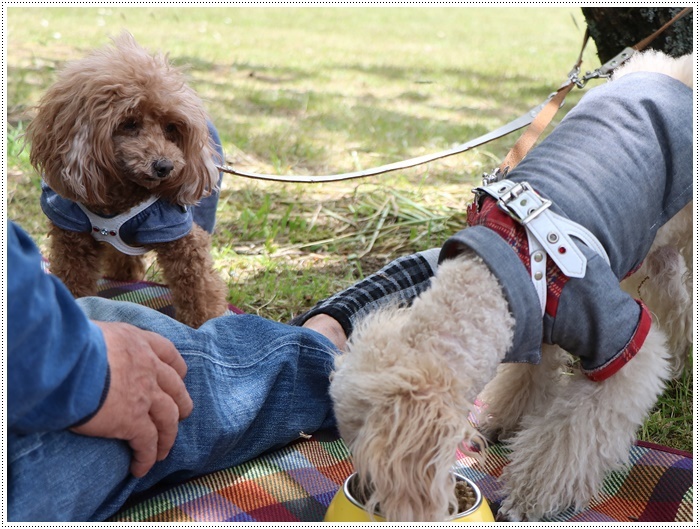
x: 494, y: 176
x: 574, y: 78
x: 604, y: 71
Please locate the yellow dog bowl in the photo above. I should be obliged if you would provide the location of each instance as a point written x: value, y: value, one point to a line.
x: 345, y: 508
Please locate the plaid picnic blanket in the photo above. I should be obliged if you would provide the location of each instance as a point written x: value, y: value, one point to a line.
x: 296, y: 483
x: 657, y: 486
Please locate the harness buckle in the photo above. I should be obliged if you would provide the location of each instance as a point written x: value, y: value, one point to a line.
x: 552, y: 232
x: 509, y: 195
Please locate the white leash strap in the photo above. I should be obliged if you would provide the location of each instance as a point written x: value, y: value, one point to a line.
x: 106, y: 229
x: 548, y: 233
x: 518, y: 123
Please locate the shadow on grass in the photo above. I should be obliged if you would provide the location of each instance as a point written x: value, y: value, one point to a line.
x: 290, y: 290
x: 375, y: 221
x: 311, y: 112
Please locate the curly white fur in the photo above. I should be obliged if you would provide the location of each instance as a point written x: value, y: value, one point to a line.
x: 404, y: 389
x: 409, y: 380
x: 680, y: 68
x: 665, y: 282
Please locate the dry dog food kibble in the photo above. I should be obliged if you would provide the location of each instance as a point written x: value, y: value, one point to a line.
x: 466, y: 498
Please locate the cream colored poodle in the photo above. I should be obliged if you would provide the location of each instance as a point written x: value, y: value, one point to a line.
x: 407, y: 384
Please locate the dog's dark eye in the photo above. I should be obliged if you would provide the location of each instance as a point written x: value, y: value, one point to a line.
x: 129, y: 126
x: 171, y: 130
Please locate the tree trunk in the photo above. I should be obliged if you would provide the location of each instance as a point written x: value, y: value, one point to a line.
x: 615, y: 28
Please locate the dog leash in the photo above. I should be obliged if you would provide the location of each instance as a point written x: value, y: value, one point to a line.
x: 518, y: 123
x: 536, y: 115
x: 535, y: 119
x: 534, y: 131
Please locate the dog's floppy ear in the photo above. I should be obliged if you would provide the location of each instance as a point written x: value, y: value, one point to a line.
x: 407, y: 451
x: 199, y: 177
x: 65, y: 147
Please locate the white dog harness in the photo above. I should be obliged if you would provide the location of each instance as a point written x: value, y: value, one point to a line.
x: 547, y: 233
x: 106, y: 229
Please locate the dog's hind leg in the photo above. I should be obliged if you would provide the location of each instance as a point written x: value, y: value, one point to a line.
x: 667, y: 291
x: 561, y: 455
x: 518, y: 390
x: 665, y: 283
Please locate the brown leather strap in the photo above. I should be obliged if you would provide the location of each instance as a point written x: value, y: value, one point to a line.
x: 534, y: 131
x: 645, y: 42
x: 528, y: 139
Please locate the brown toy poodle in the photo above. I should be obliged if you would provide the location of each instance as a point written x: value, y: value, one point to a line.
x: 125, y: 152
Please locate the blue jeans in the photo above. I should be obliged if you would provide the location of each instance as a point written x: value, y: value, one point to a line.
x: 256, y: 385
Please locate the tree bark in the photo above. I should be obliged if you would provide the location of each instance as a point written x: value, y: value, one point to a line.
x: 615, y: 28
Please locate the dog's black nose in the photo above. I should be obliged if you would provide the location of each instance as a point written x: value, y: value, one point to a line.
x: 162, y: 168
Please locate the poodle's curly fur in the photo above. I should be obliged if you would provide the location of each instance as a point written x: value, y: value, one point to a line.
x: 409, y: 379
x: 117, y: 127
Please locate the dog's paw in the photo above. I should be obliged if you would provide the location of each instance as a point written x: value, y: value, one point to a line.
x: 509, y: 513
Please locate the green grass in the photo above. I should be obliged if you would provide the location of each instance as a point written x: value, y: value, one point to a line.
x: 671, y: 422
x: 326, y: 90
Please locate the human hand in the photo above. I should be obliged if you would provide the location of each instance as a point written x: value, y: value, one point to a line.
x: 328, y: 327
x: 146, y: 398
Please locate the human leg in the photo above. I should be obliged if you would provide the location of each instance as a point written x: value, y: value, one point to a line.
x: 256, y: 386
